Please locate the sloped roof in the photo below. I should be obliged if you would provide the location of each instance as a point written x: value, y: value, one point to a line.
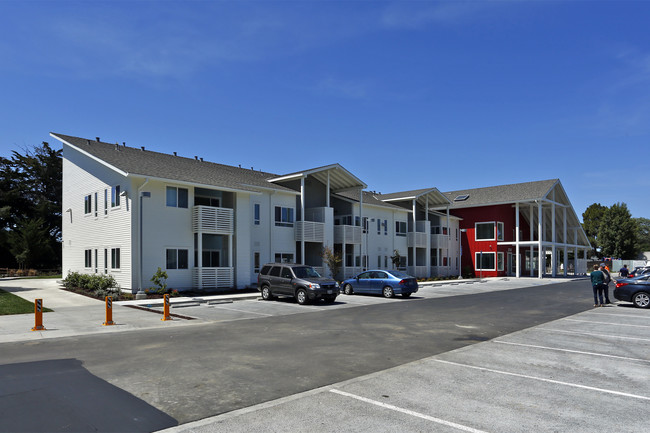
x: 491, y: 195
x: 369, y: 198
x: 430, y: 196
x: 146, y: 163
x: 340, y: 179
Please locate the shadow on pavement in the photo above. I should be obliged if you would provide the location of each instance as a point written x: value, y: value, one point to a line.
x: 61, y: 395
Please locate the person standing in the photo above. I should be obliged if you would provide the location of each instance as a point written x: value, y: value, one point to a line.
x: 597, y: 279
x: 624, y: 272
x: 607, y: 278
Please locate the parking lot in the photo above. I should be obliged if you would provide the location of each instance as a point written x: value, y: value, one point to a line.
x: 584, y: 373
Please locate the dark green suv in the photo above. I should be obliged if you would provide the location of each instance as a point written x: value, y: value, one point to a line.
x: 299, y: 281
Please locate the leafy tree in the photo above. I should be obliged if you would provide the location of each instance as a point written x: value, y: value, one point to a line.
x: 592, y: 218
x: 333, y: 260
x: 31, y: 190
x: 618, y: 233
x: 643, y: 235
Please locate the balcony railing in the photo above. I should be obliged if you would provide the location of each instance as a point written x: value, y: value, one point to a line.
x: 417, y: 239
x: 438, y: 240
x: 213, y: 220
x: 345, y: 234
x: 310, y: 231
x: 213, y: 278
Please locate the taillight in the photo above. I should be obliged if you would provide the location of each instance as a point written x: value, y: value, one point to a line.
x: 621, y: 285
x: 402, y: 282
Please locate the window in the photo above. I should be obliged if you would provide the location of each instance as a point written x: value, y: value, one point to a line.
x: 485, y: 261
x: 256, y: 262
x: 177, y: 258
x: 105, y: 201
x: 499, y: 231
x: 105, y: 261
x: 283, y: 258
x: 88, y: 258
x: 283, y: 216
x: 386, y: 227
x: 484, y: 231
x: 88, y: 204
x: 379, y: 261
x: 400, y: 228
x: 365, y: 224
x: 211, y: 258
x: 256, y: 211
x: 378, y: 226
x: 177, y: 197
x: 499, y: 261
x: 96, y: 261
x: 115, y: 258
x: 115, y: 196
x: 95, y: 205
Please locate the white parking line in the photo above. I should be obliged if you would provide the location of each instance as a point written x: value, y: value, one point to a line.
x: 408, y: 412
x: 244, y: 311
x: 607, y: 323
x: 592, y: 334
x: 571, y: 351
x: 557, y: 382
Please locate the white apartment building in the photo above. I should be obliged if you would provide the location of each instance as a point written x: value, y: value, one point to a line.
x: 129, y: 211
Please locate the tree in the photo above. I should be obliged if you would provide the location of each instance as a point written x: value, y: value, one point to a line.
x: 643, y: 235
x: 31, y: 190
x: 592, y: 218
x: 333, y: 260
x: 617, y: 235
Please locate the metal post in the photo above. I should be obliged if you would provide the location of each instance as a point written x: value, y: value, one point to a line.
x: 109, y: 312
x: 38, y: 315
x: 166, y: 315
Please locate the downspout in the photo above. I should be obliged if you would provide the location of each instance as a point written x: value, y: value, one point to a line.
x: 140, y: 291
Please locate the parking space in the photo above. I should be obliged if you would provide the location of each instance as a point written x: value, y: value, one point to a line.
x: 584, y: 373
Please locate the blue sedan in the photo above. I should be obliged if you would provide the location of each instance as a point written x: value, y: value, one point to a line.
x: 635, y: 290
x: 387, y: 283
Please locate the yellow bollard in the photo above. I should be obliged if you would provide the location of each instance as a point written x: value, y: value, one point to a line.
x: 38, y: 315
x: 109, y: 312
x: 166, y: 315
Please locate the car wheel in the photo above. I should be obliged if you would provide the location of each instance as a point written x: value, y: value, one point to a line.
x: 388, y: 292
x: 348, y: 290
x: 641, y: 300
x: 266, y: 293
x: 406, y: 295
x: 301, y: 296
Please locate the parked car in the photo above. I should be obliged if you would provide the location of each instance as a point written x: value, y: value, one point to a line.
x: 635, y: 290
x: 302, y: 282
x: 638, y: 271
x: 387, y: 283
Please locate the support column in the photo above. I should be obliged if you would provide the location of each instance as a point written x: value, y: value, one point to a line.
x: 427, y: 228
x: 532, y: 238
x: 302, y: 219
x: 540, y: 237
x: 199, y: 257
x: 553, y: 246
x: 517, y: 260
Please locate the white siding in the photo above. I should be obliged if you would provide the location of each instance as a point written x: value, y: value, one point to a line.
x: 86, y: 231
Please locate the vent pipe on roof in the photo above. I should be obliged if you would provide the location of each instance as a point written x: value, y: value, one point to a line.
x: 239, y: 165
x: 201, y: 159
x: 97, y: 138
x: 124, y: 143
x: 196, y: 158
x: 117, y: 146
x: 88, y: 142
x: 142, y: 147
x: 175, y: 154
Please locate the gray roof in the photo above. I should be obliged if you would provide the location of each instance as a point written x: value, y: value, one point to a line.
x: 427, y: 196
x: 146, y: 163
x: 369, y: 198
x: 491, y: 195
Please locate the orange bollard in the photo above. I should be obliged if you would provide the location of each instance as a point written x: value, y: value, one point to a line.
x: 38, y: 315
x: 109, y: 312
x: 166, y: 315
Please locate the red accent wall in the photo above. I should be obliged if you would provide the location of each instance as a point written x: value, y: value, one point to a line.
x: 498, y: 213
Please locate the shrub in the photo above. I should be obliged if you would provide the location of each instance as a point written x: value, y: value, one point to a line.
x: 97, y: 284
x: 160, y: 281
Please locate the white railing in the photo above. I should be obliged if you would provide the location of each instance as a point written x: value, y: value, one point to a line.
x: 347, y: 234
x: 417, y: 239
x: 310, y: 231
x: 438, y: 240
x: 417, y: 271
x: 213, y: 278
x: 213, y: 220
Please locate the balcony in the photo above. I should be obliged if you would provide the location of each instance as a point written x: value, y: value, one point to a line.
x: 418, y: 238
x: 439, y: 241
x: 345, y: 234
x: 310, y: 231
x: 213, y: 278
x: 213, y: 220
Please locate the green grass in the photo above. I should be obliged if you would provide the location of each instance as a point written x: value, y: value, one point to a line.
x: 12, y: 304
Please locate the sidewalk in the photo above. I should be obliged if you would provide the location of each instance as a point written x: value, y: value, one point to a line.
x: 76, y: 314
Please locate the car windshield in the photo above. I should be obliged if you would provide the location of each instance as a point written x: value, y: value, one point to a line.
x: 306, y: 272
x: 398, y: 274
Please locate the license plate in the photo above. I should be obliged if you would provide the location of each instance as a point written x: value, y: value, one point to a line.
x: 329, y: 292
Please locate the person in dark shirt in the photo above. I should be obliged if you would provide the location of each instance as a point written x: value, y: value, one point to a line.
x: 597, y: 279
x: 606, y: 280
x: 624, y: 272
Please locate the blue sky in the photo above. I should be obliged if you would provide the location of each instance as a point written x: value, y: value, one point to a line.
x: 404, y: 94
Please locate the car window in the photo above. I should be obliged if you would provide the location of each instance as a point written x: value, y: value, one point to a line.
x: 265, y: 269
x: 398, y: 274
x: 306, y: 272
x: 275, y: 271
x: 286, y: 273
x: 364, y: 275
x: 381, y: 275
